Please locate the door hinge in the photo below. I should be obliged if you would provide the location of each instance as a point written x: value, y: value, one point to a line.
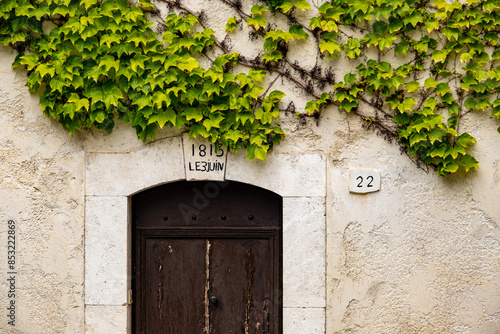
x: 130, y: 299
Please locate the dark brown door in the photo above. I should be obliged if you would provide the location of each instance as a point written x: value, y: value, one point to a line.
x: 207, y: 259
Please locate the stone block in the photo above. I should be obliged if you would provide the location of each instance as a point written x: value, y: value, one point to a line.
x: 202, y: 161
x: 304, y: 252
x: 304, y: 320
x: 287, y: 175
x: 106, y: 250
x: 128, y: 173
x: 107, y: 319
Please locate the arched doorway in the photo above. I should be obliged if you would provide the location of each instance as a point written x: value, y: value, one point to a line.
x: 207, y: 258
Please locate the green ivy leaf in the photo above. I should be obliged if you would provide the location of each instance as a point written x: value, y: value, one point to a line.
x: 384, y: 66
x: 231, y: 24
x: 109, y: 62
x: 417, y: 137
x: 88, y: 3
x: 257, y: 22
x: 188, y: 64
x: 58, y: 84
x: 448, y: 98
x: 45, y: 69
x: 406, y: 105
x: 401, y: 119
x: 275, y: 96
x: 442, y: 88
x: 436, y: 135
x: 258, y: 10
x: 297, y: 31
x: 341, y: 95
x: 213, y: 121
x: 395, y: 24
x: 97, y: 115
x: 468, y: 162
x: 431, y: 103
x: 79, y: 102
x: 254, y: 92
x: 431, y: 25
x: 302, y: 5
x: 193, y: 114
x: 286, y: 6
x: 451, y: 167
x: 315, y: 23
x: 495, y: 55
x: 414, y: 19
x: 330, y: 26
x: 465, y: 139
x: 412, y: 86
x: 257, y: 75
x: 147, y: 132
x: 273, y: 56
x: 254, y: 151
x: 159, y: 99
x: 163, y: 117
x: 379, y: 27
x: 439, y: 56
x: 111, y: 93
x: 402, y: 48
x: 430, y: 83
x: 470, y: 103
x: 30, y: 61
x: 348, y: 105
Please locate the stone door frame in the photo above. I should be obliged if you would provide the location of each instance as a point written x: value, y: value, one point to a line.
x: 110, y: 180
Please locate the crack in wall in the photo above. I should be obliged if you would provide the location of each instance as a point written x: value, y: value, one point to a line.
x: 250, y: 279
x: 206, y: 329
x: 161, y: 259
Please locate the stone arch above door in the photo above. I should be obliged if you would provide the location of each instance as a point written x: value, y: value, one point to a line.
x: 112, y: 177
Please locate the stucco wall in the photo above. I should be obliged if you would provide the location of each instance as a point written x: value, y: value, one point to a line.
x: 422, y: 255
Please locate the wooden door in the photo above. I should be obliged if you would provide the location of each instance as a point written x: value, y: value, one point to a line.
x: 207, y: 259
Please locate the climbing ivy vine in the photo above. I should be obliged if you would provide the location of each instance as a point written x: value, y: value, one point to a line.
x: 98, y: 60
x: 416, y: 68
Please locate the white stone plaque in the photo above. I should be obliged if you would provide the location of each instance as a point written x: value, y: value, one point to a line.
x: 202, y: 161
x: 363, y: 181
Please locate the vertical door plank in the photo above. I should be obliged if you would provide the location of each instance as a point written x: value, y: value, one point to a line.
x: 174, y: 300
x: 241, y: 279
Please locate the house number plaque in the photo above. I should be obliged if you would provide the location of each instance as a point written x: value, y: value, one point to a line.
x: 202, y: 161
x: 364, y: 181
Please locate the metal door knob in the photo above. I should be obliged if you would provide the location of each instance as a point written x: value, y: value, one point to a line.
x: 213, y: 300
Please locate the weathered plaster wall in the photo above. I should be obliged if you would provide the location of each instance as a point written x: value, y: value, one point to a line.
x: 420, y: 256
x: 41, y: 174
